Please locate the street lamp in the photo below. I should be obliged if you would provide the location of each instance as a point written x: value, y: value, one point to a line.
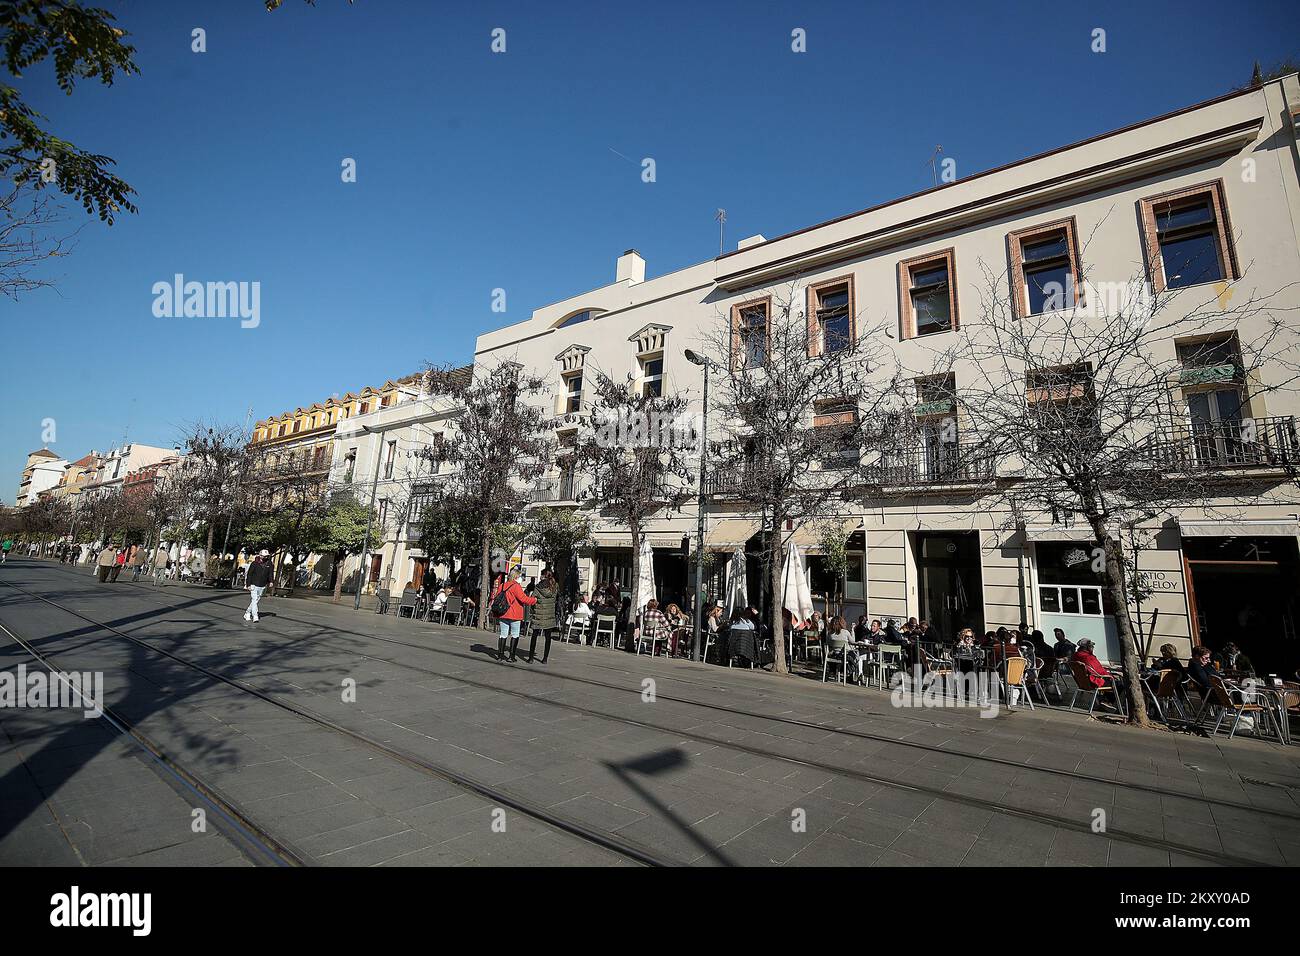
x: 706, y: 363
x: 374, y: 488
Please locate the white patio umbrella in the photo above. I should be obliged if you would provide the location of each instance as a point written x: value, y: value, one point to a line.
x: 645, y: 584
x: 737, y: 585
x: 796, y: 594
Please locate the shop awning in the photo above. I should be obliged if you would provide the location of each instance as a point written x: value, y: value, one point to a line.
x: 809, y: 537
x: 1238, y: 529
x: 729, y: 532
x: 623, y: 539
x: 1057, y: 532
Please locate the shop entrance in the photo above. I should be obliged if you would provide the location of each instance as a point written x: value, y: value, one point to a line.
x: 951, y: 587
x: 1243, y: 589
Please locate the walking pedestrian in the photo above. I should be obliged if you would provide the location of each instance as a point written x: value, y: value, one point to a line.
x: 258, y: 577
x: 105, y: 564
x: 508, y: 603
x: 4, y: 550
x: 119, y: 562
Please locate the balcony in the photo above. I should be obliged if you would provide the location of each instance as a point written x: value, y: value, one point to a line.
x: 932, y: 464
x: 564, y: 488
x: 1269, y: 443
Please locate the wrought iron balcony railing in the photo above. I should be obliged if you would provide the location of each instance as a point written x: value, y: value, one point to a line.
x: 937, y: 463
x: 1215, y: 445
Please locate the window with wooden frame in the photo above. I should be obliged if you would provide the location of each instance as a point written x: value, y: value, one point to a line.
x: 1062, y: 398
x: 837, y: 420
x: 573, y: 392
x: 1046, y: 275
x: 652, y: 376
x: 749, y: 332
x: 1187, y: 237
x: 927, y: 288
x: 831, y: 323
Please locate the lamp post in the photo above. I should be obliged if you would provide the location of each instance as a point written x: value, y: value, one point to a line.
x: 374, y: 488
x: 705, y: 362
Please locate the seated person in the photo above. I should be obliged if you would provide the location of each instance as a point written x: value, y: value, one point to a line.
x: 1168, y: 661
x: 1064, y: 648
x: 1201, y: 671
x: 1097, y: 673
x: 861, y: 629
x: 876, y: 634
x: 440, y: 599
x: 1233, y: 660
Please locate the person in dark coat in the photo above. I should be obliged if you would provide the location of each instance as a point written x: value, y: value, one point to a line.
x: 543, y: 617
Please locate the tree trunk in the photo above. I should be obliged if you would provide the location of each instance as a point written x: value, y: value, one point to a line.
x: 484, y: 576
x: 775, y: 621
x: 339, y: 558
x: 207, y: 554
x: 1115, y: 588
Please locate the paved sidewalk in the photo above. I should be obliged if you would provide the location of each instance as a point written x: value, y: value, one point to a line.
x: 697, y: 784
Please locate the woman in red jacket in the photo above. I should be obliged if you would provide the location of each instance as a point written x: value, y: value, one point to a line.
x: 510, y: 619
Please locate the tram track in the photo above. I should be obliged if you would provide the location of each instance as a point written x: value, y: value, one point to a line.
x: 593, y: 835
x: 1049, y: 819
x: 1055, y: 772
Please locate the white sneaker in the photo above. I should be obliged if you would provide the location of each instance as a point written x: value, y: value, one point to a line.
x: 254, y: 620
x: 247, y: 616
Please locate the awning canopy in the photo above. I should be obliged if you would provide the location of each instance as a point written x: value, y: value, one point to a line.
x: 1057, y: 532
x: 1238, y: 529
x: 729, y: 532
x: 809, y: 537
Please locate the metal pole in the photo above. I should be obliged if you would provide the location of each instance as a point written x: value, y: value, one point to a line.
x: 699, y: 547
x: 1020, y: 581
x: 365, y: 544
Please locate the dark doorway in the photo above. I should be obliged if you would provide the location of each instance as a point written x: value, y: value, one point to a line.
x: 1244, y: 591
x: 951, y: 590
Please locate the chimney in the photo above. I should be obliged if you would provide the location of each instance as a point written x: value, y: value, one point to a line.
x: 751, y: 241
x: 631, y: 268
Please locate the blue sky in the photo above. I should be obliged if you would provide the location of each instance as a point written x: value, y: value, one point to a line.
x: 478, y: 170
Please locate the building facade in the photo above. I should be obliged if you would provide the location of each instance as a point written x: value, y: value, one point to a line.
x: 43, y: 471
x: 1219, y: 178
x: 381, y: 456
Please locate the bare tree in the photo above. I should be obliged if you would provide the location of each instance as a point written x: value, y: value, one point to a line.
x: 31, y: 238
x: 635, y: 454
x: 216, y: 463
x: 1086, y: 408
x: 500, y: 447
x: 801, y: 393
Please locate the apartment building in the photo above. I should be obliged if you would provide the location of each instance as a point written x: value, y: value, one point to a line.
x: 43, y: 471
x: 299, y: 446
x: 380, y: 456
x: 1214, y: 184
x: 114, y: 465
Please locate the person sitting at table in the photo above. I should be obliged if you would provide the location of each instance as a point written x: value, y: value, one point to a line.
x: 964, y: 651
x: 1168, y: 661
x: 440, y: 599
x: 840, y: 638
x: 892, y: 633
x: 1232, y: 659
x: 677, y: 624
x: 861, y: 629
x: 1064, y: 648
x: 1044, y: 653
x: 1097, y: 672
x: 1201, y: 671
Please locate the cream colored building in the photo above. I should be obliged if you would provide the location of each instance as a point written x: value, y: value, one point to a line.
x: 379, y: 456
x: 942, y: 552
x: 43, y: 471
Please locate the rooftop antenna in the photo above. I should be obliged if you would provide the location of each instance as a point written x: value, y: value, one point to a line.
x: 933, y: 171
x: 721, y: 216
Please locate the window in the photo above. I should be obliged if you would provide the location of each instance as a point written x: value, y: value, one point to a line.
x: 749, y: 333
x: 350, y: 462
x: 1211, y: 381
x: 383, y: 511
x: 386, y: 400
x: 1187, y: 237
x: 652, y: 377
x: 573, y: 392
x: 928, y: 294
x: 1045, y: 269
x: 584, y: 316
x: 837, y: 419
x: 1062, y: 401
x: 365, y: 407
x: 388, y: 459
x: 318, y: 456
x: 830, y: 316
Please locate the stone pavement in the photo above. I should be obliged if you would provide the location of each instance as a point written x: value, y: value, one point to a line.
x: 694, y: 775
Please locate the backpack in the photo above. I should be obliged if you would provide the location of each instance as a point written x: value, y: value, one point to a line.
x: 500, y: 604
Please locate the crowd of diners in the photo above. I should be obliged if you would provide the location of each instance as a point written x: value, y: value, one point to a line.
x: 741, y: 635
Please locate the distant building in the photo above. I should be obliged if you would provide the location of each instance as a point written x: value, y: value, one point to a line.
x: 43, y: 471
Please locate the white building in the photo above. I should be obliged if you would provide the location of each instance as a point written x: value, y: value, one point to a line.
x: 43, y: 471
x: 379, y: 456
x: 942, y: 553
